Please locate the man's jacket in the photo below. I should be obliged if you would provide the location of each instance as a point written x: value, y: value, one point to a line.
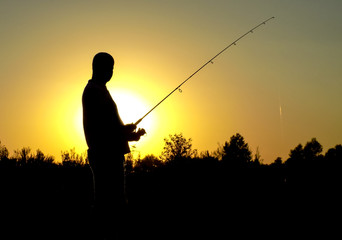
x: 103, y: 127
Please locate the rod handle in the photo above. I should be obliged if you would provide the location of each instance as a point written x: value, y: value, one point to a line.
x: 137, y: 122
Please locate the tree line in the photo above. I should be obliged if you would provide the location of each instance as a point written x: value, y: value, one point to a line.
x: 235, y: 152
x: 24, y: 157
x: 221, y: 193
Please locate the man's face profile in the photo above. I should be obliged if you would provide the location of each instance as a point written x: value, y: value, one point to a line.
x: 103, y: 65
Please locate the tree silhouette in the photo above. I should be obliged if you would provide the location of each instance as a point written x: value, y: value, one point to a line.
x: 334, y: 155
x: 39, y: 159
x: 23, y: 155
x: 296, y: 156
x: 71, y: 158
x: 3, y: 152
x: 236, y: 152
x: 148, y: 163
x: 302, y: 156
x: 278, y: 162
x: 257, y: 161
x: 313, y: 150
x: 177, y: 147
x: 4, y: 157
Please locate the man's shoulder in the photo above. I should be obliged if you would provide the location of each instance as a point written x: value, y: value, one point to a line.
x: 95, y: 92
x: 92, y: 87
x: 90, y: 91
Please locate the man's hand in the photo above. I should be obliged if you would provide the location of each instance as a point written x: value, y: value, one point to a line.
x: 141, y: 132
x: 133, y: 135
x: 136, y: 135
x: 129, y: 128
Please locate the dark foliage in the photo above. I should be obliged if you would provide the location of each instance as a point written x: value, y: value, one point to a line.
x: 210, y: 195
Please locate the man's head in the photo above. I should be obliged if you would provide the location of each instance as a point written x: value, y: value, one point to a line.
x: 103, y: 64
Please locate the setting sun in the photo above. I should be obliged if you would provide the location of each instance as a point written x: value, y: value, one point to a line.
x: 131, y: 107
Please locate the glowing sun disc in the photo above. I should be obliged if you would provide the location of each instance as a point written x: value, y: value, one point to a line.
x: 131, y: 107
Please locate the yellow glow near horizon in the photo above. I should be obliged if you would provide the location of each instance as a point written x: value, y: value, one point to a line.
x: 78, y: 122
x: 68, y: 122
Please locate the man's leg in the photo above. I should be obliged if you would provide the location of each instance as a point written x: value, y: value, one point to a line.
x: 109, y: 195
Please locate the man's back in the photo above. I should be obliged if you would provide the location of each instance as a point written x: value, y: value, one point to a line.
x: 103, y: 127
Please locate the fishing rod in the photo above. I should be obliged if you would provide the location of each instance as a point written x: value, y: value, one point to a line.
x: 210, y: 61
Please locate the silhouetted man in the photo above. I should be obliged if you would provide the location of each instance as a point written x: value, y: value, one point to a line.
x: 107, y: 138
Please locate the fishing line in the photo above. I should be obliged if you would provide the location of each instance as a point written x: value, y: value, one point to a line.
x: 210, y: 61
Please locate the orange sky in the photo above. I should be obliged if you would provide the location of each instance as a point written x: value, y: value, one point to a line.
x: 292, y: 64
